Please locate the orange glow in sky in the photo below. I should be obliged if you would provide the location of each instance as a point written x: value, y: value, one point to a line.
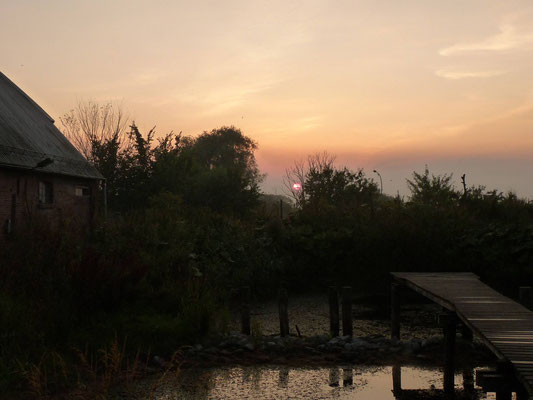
x: 383, y: 84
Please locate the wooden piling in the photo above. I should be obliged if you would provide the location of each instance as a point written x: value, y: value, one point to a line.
x: 526, y: 296
x: 395, y: 311
x: 468, y: 380
x: 506, y: 369
x: 334, y: 377
x: 450, y: 328
x: 504, y: 395
x: 347, y: 377
x: 283, y: 301
x: 397, y: 380
x: 466, y: 333
x: 347, y: 323
x: 284, y: 377
x: 245, y: 311
x: 522, y: 394
x: 333, y: 298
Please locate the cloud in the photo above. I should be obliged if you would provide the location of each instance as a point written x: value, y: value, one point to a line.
x: 507, y: 39
x: 458, y: 74
x: 217, y: 99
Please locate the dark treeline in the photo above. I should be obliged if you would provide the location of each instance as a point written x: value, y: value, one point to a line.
x: 187, y: 227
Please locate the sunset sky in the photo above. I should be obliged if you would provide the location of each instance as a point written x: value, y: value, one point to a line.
x: 387, y: 85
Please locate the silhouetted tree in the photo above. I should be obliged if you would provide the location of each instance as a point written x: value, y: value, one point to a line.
x: 98, y: 131
x: 226, y: 176
x: 435, y: 190
x: 325, y: 186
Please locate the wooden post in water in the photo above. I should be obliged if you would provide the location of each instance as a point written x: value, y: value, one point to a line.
x: 468, y: 380
x: 506, y: 369
x: 395, y: 310
x: 245, y: 310
x: 450, y: 328
x: 397, y: 380
x: 347, y: 377
x: 466, y: 333
x: 334, y: 377
x: 283, y: 377
x: 347, y: 323
x: 283, y: 301
x: 522, y: 394
x: 333, y: 298
x: 504, y: 395
x: 526, y: 296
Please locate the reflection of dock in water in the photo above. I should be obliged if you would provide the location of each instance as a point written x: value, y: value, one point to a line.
x: 468, y: 392
x: 346, y: 381
x: 335, y: 376
x: 428, y: 394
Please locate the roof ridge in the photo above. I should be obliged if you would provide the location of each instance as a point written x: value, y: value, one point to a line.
x: 2, y: 75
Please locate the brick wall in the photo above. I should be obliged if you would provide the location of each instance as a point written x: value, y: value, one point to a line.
x: 19, y: 197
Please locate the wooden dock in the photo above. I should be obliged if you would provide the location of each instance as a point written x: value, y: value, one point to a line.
x: 505, y: 326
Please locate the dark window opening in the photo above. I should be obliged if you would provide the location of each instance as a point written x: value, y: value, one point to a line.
x: 83, y: 191
x: 46, y: 193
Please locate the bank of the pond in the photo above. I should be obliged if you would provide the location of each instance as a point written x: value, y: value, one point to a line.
x: 322, y: 350
x: 311, y: 344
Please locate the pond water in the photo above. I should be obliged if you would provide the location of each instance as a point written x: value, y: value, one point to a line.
x: 281, y: 382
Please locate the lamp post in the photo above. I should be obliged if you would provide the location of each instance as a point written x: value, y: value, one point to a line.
x: 380, y: 181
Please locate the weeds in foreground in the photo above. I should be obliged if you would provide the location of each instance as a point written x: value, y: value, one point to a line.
x: 92, y: 375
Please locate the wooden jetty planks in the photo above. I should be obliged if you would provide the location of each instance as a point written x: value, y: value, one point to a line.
x: 504, y: 325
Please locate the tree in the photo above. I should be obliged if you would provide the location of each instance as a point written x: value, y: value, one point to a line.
x: 226, y: 176
x: 89, y: 126
x: 217, y: 169
x: 98, y: 131
x: 432, y: 190
x: 326, y: 186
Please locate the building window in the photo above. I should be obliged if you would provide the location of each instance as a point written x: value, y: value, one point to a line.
x: 46, y: 193
x: 83, y: 191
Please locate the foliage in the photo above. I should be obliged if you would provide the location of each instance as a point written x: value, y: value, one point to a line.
x: 98, y: 131
x: 191, y: 228
x: 216, y: 170
x: 431, y: 190
x: 327, y: 188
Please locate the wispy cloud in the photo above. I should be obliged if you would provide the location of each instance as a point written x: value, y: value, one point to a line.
x: 458, y: 74
x: 225, y: 97
x: 508, y: 38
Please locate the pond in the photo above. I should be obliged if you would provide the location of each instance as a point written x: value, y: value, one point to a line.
x: 282, y: 382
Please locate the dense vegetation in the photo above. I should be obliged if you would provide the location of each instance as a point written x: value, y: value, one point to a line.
x: 187, y: 226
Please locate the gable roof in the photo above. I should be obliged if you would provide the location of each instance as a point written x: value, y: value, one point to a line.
x: 28, y: 136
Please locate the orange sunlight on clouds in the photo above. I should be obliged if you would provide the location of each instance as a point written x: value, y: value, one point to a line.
x: 385, y: 85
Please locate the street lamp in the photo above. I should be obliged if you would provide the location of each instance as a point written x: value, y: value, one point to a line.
x: 380, y: 180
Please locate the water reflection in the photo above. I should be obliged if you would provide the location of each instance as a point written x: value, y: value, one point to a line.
x: 275, y: 382
x: 334, y: 377
x: 284, y: 377
x: 347, y: 377
x: 468, y: 391
x: 468, y: 380
x: 396, y: 380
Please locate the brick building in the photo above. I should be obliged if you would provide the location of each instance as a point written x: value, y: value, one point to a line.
x: 42, y: 175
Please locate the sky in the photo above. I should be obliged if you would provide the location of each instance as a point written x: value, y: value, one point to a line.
x: 382, y: 84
